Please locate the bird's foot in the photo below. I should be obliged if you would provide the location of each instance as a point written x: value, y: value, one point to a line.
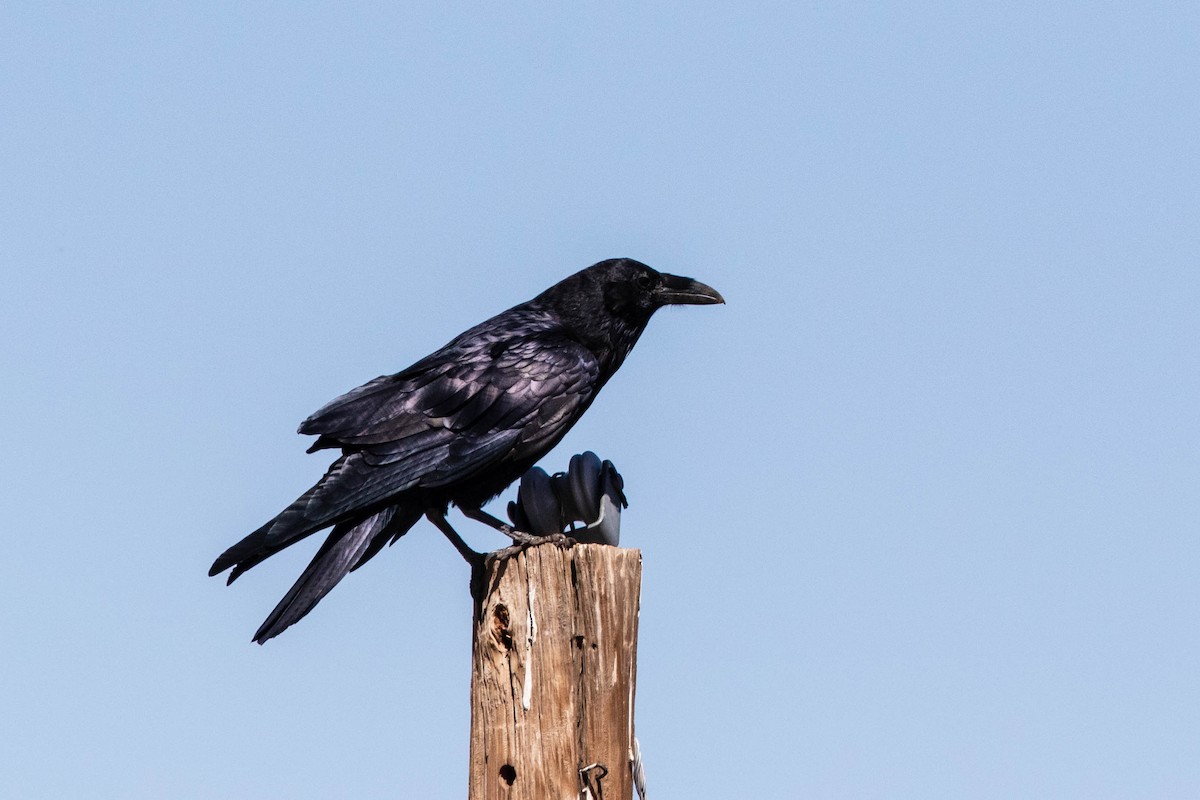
x: 560, y: 539
x: 523, y: 541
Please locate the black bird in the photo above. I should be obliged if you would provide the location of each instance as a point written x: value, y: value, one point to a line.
x: 459, y: 425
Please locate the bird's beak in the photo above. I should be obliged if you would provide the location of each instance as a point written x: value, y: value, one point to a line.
x: 678, y: 291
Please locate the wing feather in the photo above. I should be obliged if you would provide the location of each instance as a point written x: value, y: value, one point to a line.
x: 487, y: 401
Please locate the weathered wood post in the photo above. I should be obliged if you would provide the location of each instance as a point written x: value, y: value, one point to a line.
x: 554, y: 661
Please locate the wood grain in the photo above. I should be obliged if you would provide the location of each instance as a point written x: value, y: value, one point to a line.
x: 554, y: 662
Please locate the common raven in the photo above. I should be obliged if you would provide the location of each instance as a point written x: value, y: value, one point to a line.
x: 459, y: 425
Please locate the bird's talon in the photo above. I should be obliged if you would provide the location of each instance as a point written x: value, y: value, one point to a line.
x: 523, y: 541
x: 520, y: 537
x: 562, y: 540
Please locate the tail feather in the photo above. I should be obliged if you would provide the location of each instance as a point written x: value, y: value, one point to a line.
x: 397, y: 529
x: 348, y: 547
x: 288, y: 527
x: 261, y: 545
x: 354, y: 486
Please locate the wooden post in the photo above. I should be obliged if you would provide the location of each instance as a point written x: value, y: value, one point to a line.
x: 553, y: 674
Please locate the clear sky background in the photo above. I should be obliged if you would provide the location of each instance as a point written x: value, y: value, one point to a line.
x: 918, y: 507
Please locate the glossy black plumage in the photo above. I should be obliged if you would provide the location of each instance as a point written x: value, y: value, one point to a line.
x: 460, y: 425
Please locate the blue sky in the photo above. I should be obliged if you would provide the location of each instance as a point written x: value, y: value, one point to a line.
x: 917, y: 507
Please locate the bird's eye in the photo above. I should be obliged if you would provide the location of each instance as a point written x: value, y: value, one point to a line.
x: 643, y: 280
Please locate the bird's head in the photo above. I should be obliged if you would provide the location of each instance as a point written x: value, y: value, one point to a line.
x: 607, y: 305
x: 634, y: 291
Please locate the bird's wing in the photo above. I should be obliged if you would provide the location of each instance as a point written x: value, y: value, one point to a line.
x: 446, y: 424
x: 475, y: 388
x: 392, y: 406
x: 385, y: 409
x: 535, y: 388
x: 476, y: 413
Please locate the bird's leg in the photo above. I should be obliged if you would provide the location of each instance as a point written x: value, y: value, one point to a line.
x: 438, y: 517
x: 521, y: 539
x: 479, y: 515
x: 477, y: 561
